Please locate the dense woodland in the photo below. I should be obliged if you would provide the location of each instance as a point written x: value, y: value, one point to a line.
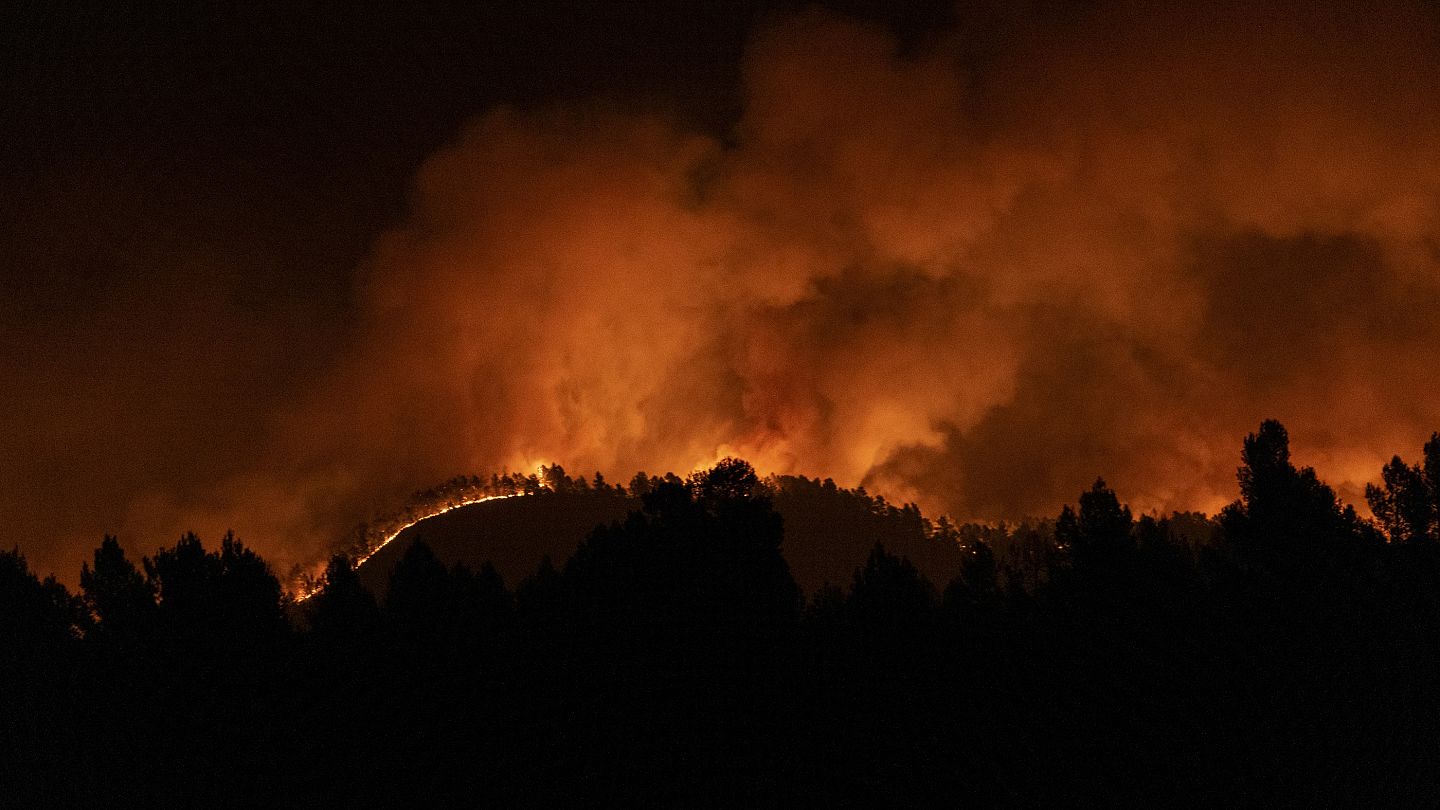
x: 1286, y: 651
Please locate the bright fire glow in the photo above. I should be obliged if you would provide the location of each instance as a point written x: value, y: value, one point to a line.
x: 430, y: 513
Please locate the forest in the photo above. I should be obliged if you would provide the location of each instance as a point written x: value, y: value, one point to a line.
x: 706, y: 648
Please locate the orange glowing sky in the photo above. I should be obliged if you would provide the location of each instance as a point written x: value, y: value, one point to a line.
x: 974, y: 266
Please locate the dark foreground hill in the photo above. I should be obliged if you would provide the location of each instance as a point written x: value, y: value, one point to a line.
x: 513, y: 534
x: 829, y: 533
x: 1285, y: 654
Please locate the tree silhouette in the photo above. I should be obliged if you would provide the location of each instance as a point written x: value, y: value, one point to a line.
x: 33, y: 611
x: 826, y: 606
x: 186, y: 580
x: 730, y: 481
x: 976, y: 587
x: 1407, y: 501
x: 670, y: 661
x: 1281, y: 509
x: 1100, y: 534
x: 1430, y: 466
x: 1403, y: 503
x: 215, y: 601
x: 251, y: 598
x: 699, y: 560
x: 119, y: 597
x: 830, y: 531
x: 888, y: 595
x: 479, y: 600
x: 418, y: 597
x: 978, y: 571
x: 343, y: 610
x: 540, y: 598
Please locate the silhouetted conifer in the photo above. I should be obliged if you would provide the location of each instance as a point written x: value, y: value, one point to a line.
x: 888, y: 594
x: 213, y: 601
x: 1282, y: 509
x: 1406, y: 503
x: 343, y: 610
x: 975, y: 592
x: 1273, y: 655
x: 118, y: 596
x: 1100, y: 534
x: 33, y: 611
x: 540, y: 596
x: 480, y: 603
x: 419, y: 591
x: 186, y: 580
x: 252, y: 601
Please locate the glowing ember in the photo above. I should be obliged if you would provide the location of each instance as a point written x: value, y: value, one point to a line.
x: 450, y: 507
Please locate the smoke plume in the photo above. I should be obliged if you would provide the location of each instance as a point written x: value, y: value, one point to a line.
x: 976, y: 272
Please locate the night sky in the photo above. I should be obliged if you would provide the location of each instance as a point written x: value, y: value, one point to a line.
x: 272, y: 269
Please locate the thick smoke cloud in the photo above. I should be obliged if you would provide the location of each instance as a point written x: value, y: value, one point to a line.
x: 976, y: 273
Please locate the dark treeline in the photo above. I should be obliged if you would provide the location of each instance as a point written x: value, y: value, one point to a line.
x: 1286, y: 652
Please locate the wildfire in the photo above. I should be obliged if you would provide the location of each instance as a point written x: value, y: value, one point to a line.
x: 306, y: 593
